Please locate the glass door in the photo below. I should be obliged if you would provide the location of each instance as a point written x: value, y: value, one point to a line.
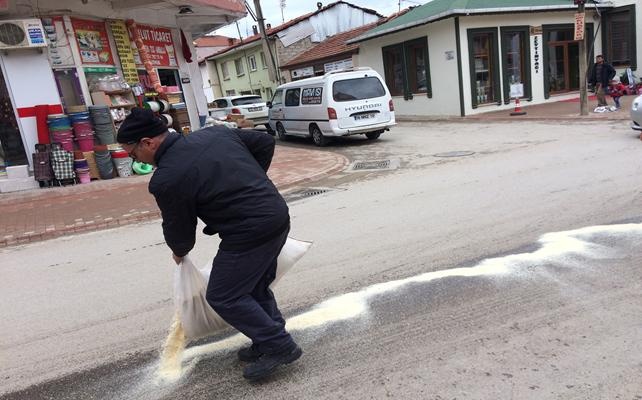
x: 563, y: 61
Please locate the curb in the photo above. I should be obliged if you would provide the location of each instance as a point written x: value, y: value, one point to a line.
x: 109, y: 223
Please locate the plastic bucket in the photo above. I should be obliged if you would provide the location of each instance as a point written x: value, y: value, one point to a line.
x: 86, y: 143
x: 122, y: 163
x: 83, y: 127
x: 83, y: 175
x: 105, y: 137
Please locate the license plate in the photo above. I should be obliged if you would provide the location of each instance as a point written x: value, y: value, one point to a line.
x: 364, y: 116
x: 252, y: 109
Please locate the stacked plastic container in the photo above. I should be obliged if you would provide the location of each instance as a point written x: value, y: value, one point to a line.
x: 103, y: 124
x: 60, y: 131
x: 103, y: 162
x: 82, y: 170
x: 122, y: 163
x: 83, y: 130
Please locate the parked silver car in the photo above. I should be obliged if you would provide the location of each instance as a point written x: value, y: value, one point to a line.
x: 252, y: 108
x: 636, y: 114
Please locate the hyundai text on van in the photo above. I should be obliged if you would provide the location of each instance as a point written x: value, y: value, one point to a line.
x: 341, y: 103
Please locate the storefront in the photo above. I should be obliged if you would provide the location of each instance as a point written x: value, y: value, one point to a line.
x: 110, y: 53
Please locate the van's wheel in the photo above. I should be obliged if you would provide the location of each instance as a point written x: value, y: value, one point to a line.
x: 269, y: 129
x: 373, y: 135
x: 317, y: 136
x: 280, y: 132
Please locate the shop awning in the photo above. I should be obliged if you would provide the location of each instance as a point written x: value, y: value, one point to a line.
x: 196, y: 16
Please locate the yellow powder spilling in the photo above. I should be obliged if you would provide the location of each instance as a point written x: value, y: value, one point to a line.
x: 170, y: 368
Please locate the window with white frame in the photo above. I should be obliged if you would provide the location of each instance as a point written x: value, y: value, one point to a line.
x: 230, y: 92
x: 238, y: 64
x: 251, y: 61
x: 225, y: 71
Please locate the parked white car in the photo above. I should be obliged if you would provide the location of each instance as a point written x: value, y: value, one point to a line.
x: 341, y: 103
x: 252, y: 107
x: 636, y: 113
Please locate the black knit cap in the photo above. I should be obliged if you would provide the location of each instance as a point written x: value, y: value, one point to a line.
x: 140, y: 123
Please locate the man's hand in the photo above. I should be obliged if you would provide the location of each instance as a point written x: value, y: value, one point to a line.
x: 177, y: 259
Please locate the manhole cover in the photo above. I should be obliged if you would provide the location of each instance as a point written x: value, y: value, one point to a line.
x: 374, y: 165
x: 454, y: 154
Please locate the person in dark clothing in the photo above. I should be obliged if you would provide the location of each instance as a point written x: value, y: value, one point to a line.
x: 218, y: 175
x: 601, y: 75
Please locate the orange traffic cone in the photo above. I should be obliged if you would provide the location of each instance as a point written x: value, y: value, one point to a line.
x: 518, y: 108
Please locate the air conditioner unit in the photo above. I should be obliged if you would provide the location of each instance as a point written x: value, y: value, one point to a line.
x: 21, y: 33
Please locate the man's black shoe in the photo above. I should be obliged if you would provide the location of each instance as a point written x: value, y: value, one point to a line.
x: 268, y: 363
x: 249, y: 354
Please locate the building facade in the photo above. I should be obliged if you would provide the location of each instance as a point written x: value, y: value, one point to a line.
x: 73, y: 45
x: 440, y: 59
x: 243, y: 68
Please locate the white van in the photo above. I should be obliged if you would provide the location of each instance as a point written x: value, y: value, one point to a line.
x: 341, y: 103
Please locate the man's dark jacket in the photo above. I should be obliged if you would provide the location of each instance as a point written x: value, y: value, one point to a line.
x: 218, y: 174
x: 607, y: 73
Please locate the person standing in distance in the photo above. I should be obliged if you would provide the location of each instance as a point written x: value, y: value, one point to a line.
x: 601, y: 75
x: 218, y: 175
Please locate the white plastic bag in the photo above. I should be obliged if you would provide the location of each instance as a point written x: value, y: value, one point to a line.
x: 190, y: 286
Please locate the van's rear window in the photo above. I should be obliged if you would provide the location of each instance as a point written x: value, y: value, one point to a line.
x: 241, y: 101
x: 357, y: 89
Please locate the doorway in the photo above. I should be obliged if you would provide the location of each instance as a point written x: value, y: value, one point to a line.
x: 561, y: 58
x: 12, y: 150
x: 563, y: 65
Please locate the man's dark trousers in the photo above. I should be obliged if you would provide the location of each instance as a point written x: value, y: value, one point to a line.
x: 239, y: 292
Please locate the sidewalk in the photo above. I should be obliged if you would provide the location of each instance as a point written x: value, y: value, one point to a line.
x: 42, y: 214
x: 566, y: 110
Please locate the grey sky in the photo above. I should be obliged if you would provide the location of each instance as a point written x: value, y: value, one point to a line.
x: 295, y: 8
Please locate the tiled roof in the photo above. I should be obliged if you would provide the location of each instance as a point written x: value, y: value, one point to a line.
x: 336, y: 45
x: 438, y: 9
x: 279, y: 28
x: 214, y: 41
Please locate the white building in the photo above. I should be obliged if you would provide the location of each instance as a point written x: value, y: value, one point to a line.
x: 443, y: 58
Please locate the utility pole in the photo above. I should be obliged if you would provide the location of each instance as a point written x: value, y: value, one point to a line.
x: 580, y: 18
x: 267, y: 49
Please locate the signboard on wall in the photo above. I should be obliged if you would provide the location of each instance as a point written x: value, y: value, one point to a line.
x: 159, y: 44
x: 59, y: 49
x: 92, y: 41
x: 301, y: 72
x: 124, y: 49
x: 337, y: 65
x: 579, y: 26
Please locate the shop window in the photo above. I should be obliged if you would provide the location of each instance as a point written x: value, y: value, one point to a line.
x: 484, y: 66
x: 225, y: 71
x: 263, y: 62
x: 292, y: 97
x: 516, y: 60
x: 238, y: 64
x: 620, y: 46
x: 251, y: 61
x: 407, y: 69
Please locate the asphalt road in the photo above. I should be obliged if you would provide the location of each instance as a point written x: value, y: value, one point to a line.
x: 437, y: 280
